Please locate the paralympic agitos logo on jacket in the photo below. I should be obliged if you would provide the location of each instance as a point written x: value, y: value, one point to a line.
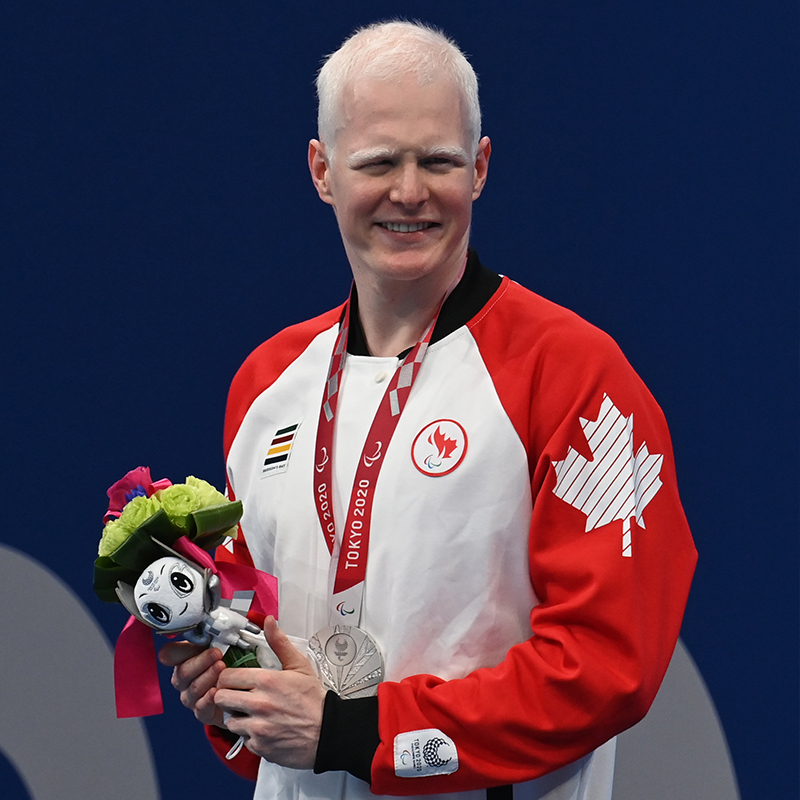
x: 439, y: 447
x: 419, y: 754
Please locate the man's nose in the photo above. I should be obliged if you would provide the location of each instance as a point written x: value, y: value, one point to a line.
x: 410, y: 187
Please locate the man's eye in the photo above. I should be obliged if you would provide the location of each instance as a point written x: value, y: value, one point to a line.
x: 382, y: 165
x: 439, y: 163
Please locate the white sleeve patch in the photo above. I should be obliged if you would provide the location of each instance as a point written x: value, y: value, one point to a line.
x: 418, y: 754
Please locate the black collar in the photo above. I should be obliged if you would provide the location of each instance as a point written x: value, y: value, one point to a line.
x: 474, y: 290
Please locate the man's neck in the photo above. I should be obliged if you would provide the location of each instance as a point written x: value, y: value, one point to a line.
x: 394, y: 316
x: 390, y: 329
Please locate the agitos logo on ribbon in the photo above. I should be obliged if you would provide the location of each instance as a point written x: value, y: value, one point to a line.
x: 439, y: 447
x: 277, y: 459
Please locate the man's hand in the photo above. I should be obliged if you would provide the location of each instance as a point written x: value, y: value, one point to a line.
x: 279, y: 713
x: 195, y: 676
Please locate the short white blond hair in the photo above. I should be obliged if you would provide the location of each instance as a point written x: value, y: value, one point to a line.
x: 386, y: 50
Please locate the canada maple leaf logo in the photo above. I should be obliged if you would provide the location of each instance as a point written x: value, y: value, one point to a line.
x: 442, y: 443
x: 615, y: 483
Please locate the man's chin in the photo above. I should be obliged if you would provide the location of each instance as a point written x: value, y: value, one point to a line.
x: 409, y: 262
x: 410, y: 265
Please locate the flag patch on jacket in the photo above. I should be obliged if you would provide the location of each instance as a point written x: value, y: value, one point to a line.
x: 280, y: 448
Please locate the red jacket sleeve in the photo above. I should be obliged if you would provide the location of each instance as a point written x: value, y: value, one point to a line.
x: 606, y: 624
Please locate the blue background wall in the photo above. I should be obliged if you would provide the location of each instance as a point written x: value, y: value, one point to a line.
x: 158, y: 223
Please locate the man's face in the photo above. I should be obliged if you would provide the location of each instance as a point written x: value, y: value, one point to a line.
x: 401, y: 180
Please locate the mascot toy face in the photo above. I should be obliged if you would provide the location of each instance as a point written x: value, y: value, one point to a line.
x: 170, y: 595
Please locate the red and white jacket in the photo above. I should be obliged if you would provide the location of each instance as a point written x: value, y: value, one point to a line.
x: 526, y: 598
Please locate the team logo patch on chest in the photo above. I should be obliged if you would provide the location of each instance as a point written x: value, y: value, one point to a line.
x: 439, y: 447
x: 280, y: 448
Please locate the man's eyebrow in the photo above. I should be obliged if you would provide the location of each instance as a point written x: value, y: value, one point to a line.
x: 444, y: 151
x: 361, y: 157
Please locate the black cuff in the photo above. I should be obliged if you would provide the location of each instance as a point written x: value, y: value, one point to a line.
x: 349, y: 736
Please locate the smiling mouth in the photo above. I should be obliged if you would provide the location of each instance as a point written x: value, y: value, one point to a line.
x: 410, y: 227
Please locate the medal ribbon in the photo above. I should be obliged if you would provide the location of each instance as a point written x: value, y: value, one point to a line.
x: 351, y: 568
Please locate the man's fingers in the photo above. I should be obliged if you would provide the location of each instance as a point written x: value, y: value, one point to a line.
x: 174, y: 653
x: 196, y: 684
x: 193, y: 668
x: 195, y: 676
x: 196, y: 669
x: 290, y: 657
x: 236, y: 702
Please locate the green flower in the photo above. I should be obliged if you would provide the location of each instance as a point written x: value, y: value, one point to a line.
x: 179, y: 501
x: 114, y: 534
x: 207, y: 495
x: 138, y: 511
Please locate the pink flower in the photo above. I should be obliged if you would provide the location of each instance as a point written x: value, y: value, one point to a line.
x: 136, y: 482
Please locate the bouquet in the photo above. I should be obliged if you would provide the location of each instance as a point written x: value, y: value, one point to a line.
x: 154, y: 558
x: 143, y: 516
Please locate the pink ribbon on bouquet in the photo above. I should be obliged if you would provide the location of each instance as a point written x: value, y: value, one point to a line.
x: 136, y: 685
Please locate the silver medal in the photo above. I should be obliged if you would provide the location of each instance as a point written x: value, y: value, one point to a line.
x: 347, y: 660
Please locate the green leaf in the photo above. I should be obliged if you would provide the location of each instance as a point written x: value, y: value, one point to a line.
x: 139, y: 550
x: 217, y: 519
x: 106, y: 574
x: 237, y: 657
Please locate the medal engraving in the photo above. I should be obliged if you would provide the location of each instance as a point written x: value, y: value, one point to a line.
x: 347, y: 660
x: 340, y: 649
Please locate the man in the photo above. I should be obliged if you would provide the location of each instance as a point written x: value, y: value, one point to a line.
x: 496, y: 512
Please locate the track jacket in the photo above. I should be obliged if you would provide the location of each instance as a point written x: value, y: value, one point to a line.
x: 529, y: 560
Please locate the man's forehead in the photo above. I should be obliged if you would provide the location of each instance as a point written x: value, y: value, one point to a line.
x: 365, y: 97
x: 386, y: 117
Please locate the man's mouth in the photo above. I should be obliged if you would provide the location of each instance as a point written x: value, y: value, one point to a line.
x: 406, y: 227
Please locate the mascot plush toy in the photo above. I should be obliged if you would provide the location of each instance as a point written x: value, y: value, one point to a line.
x: 154, y: 559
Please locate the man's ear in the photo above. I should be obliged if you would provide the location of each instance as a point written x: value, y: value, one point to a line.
x: 320, y: 170
x: 481, y: 166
